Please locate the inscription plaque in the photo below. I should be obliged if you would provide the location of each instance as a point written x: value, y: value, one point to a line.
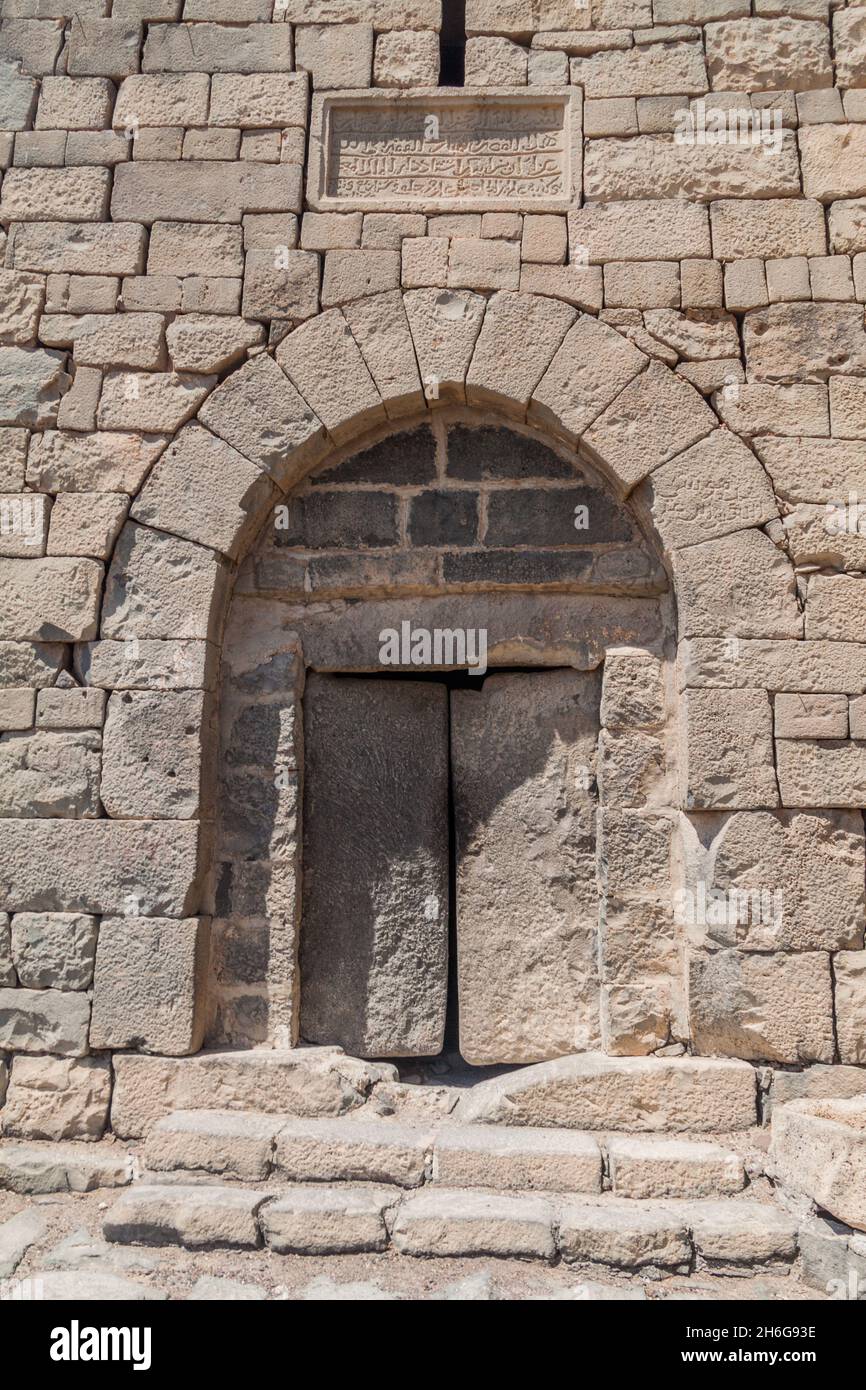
x: 440, y: 150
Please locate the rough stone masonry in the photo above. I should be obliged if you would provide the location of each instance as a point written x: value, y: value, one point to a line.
x: 295, y: 343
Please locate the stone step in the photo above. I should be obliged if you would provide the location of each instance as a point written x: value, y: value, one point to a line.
x: 591, y: 1091
x: 36, y: 1168
x: 235, y: 1146
x: 293, y: 1081
x: 658, y: 1238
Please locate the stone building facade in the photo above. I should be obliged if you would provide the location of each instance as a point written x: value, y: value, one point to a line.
x: 299, y: 347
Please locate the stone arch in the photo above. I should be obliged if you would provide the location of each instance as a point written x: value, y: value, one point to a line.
x: 380, y: 360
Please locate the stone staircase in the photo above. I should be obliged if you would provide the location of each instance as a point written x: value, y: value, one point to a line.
x: 640, y: 1164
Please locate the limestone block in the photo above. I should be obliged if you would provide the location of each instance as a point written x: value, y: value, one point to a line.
x: 17, y: 1235
x: 49, y: 774
x: 731, y: 1234
x: 103, y: 47
x: 39, y: 1169
x: 196, y: 1217
x: 53, y: 950
x: 45, y: 1020
x: 336, y: 55
x: 441, y: 1222
x: 836, y: 608
x: 119, y: 340
x: 86, y: 523
x: 31, y: 195
x: 501, y: 372
x: 494, y: 62
x: 645, y: 1168
x: 326, y: 1150
x: 819, y: 1150
x: 161, y: 586
x: 729, y: 751
x: 810, y: 716
x: 654, y: 69
x: 21, y: 299
x: 258, y: 100
x: 717, y: 486
x: 834, y: 161
x: 13, y: 458
x: 258, y: 411
x: 406, y: 58
x: 811, y: 861
x: 205, y: 491
x: 146, y: 665
x: 18, y: 96
x: 354, y: 273
x: 637, y: 1094
x: 774, y: 1007
x: 803, y: 342
x: 7, y: 969
x: 739, y: 585
x: 847, y: 221
x: 495, y: 1156
x: 215, y: 190
x: 655, y: 166
x: 381, y: 329
x: 71, y: 708
x: 398, y: 1008
x: 147, y: 101
x: 620, y: 1234
x: 50, y: 599
x: 324, y: 362
x: 817, y: 1082
x: 32, y: 382
x: 195, y: 248
x: 149, y: 984
x: 768, y: 55
x: 581, y: 286
x: 74, y: 103
x: 35, y: 665
x: 642, y: 285
x: 653, y: 419
x: 589, y: 370
x: 696, y: 335
x: 849, y: 971
x: 516, y: 823
x: 24, y: 520
x: 487, y: 264
x: 765, y: 228
x: 205, y: 47
x: 57, y: 1098
x: 444, y: 325
x: 632, y: 690
x: 817, y: 773
x: 17, y: 708
x: 630, y: 769
x: 150, y: 401
x: 284, y: 286
x: 67, y: 462
x: 755, y: 408
x: 109, y: 248
x: 316, y: 1220
x: 849, y: 43
x: 152, y: 750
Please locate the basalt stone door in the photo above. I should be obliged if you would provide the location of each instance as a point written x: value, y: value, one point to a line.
x: 523, y: 759
x: 374, y: 941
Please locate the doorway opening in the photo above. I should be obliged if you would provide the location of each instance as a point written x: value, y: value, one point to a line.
x: 449, y: 900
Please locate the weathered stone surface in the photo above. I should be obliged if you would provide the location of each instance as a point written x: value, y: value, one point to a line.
x: 94, y: 1286
x: 833, y: 1082
x: 45, y: 773
x: 655, y: 69
x: 203, y: 190
x: 714, y: 488
x: 147, y: 665
x: 849, y: 971
x: 381, y: 329
x: 810, y: 716
x: 149, y: 984
x: 729, y: 1234
x: 729, y: 750
x: 591, y: 367
x: 150, y: 401
x: 696, y: 334
x: 258, y: 100
x: 528, y: 991
x: 85, y: 248
x: 389, y: 860
x: 495, y: 1156
x: 815, y: 773
x: 654, y: 166
x: 819, y: 1150
x: 288, y: 291
x: 54, y: 950
x: 769, y: 227
x: 444, y: 325
x: 321, y: 1220
x: 632, y: 690
x: 17, y: 1235
x: 651, y: 230
x: 31, y: 195
x: 32, y: 382
x: 323, y: 1150
x: 39, y: 1168
x: 758, y: 55
x: 152, y: 754
x: 21, y: 299
x: 769, y: 1007
x: 642, y: 1168
x: 63, y: 461
x: 57, y: 1098
x: 161, y: 586
x: 501, y: 372
x: 303, y: 1081
x: 740, y: 585
x: 436, y: 1222
x: 407, y: 58
x: 49, y: 599
x: 833, y: 158
x: 621, y: 1234
x: 847, y: 223
x: 225, y: 1143
x: 258, y: 411
x: 197, y: 1217
x: 804, y: 666
x: 207, y: 47
x: 44, y: 1020
x: 323, y: 361
x: 205, y: 491
x: 803, y: 342
x: 849, y: 42
x: 210, y: 342
x: 812, y: 860
x: 637, y: 1094
x: 98, y: 865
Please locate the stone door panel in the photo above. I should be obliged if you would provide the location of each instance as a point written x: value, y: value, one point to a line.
x: 374, y: 939
x: 523, y: 759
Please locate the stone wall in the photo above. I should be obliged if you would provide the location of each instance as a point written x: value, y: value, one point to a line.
x: 182, y: 339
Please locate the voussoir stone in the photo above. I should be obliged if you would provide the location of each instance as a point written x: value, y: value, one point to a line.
x: 445, y: 325
x: 323, y: 361
x: 739, y: 585
x: 381, y: 329
x: 714, y: 488
x: 260, y: 413
x: 501, y: 371
x: 590, y: 368
x: 641, y: 1094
